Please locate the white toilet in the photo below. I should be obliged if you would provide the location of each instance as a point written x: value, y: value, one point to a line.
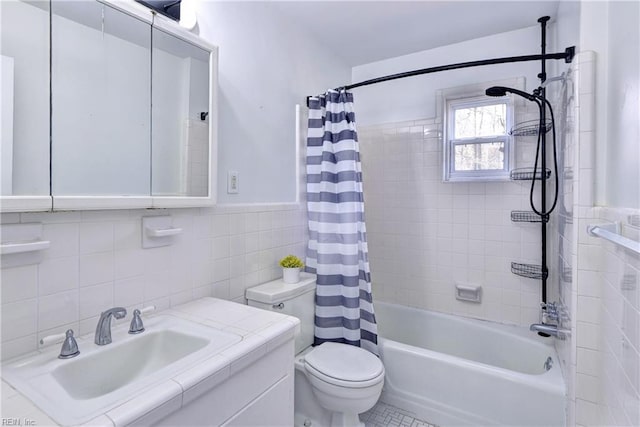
x: 333, y: 382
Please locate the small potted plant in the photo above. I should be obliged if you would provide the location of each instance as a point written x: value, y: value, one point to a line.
x: 291, y: 266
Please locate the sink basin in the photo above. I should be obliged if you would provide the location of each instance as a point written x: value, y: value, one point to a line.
x: 74, y: 391
x: 102, y: 372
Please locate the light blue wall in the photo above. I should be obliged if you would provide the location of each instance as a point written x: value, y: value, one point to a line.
x: 266, y: 68
x: 611, y: 30
x: 623, y: 116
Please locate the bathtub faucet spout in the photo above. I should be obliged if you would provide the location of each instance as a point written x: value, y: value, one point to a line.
x: 550, y: 330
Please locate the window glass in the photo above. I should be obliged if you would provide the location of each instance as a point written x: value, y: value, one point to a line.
x: 483, y: 156
x: 485, y: 120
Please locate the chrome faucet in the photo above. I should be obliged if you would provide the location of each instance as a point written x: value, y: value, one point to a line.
x: 103, y: 330
x: 550, y: 330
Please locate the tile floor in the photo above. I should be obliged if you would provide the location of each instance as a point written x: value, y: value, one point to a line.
x: 384, y: 415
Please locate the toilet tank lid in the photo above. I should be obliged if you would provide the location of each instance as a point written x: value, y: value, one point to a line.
x: 277, y: 290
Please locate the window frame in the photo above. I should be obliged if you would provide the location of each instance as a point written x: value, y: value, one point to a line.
x: 449, y: 172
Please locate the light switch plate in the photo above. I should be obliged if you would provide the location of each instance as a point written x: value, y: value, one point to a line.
x: 233, y: 183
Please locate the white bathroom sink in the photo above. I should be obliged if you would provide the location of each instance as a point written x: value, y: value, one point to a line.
x: 102, y: 372
x: 74, y: 391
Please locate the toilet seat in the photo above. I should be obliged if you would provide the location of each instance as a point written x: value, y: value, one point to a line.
x: 342, y: 383
x: 344, y: 365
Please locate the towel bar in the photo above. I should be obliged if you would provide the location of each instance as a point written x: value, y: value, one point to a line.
x: 20, y: 247
x: 611, y: 232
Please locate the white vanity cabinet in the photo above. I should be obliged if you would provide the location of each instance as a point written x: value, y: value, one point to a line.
x: 243, y: 376
x: 255, y: 394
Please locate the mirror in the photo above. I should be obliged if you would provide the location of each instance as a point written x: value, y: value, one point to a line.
x: 180, y: 117
x: 104, y: 106
x: 24, y: 99
x: 101, y: 99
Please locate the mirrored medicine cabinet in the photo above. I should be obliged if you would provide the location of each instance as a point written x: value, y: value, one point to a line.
x: 105, y: 105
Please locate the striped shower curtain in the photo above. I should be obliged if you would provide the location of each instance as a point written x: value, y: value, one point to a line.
x: 337, y: 251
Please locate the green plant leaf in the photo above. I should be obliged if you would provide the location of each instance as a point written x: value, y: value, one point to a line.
x: 291, y: 261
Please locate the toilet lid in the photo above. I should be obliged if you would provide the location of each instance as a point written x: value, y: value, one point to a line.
x: 344, y: 362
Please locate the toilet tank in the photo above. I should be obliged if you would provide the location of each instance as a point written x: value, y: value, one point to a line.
x: 293, y: 299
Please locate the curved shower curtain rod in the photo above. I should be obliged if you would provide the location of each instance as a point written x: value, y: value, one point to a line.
x: 567, y: 55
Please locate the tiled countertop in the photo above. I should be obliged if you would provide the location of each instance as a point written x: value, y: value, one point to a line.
x: 260, y: 330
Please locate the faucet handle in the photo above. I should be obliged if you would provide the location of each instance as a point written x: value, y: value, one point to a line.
x: 550, y: 317
x: 549, y: 312
x: 147, y: 309
x: 69, y: 346
x: 52, y: 339
x: 136, y: 325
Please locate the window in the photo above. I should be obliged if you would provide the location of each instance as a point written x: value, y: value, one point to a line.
x: 477, y: 143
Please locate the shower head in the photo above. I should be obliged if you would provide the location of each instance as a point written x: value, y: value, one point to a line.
x: 502, y: 91
x: 496, y: 91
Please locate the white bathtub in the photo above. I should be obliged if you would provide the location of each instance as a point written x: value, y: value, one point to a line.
x: 454, y: 371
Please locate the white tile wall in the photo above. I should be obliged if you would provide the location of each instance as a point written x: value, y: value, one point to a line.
x: 601, y: 360
x: 96, y: 261
x: 425, y: 235
x: 577, y: 284
x: 619, y: 339
x: 564, y: 245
